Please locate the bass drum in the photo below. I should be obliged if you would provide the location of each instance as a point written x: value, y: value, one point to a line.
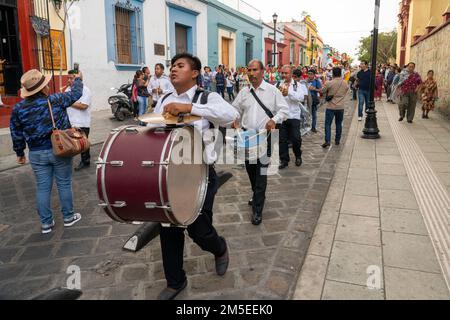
x: 152, y: 175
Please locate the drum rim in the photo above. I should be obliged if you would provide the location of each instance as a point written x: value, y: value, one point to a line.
x: 203, y: 188
x: 107, y: 148
x: 169, y: 215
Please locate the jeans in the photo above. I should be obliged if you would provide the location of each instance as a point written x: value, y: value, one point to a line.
x: 221, y: 90
x: 314, y: 115
x: 45, y: 166
x: 230, y: 91
x: 329, y: 116
x: 363, y: 97
x: 143, y: 101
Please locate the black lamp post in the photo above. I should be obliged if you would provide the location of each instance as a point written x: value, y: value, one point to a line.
x: 275, y: 18
x: 312, y: 49
x: 371, y: 130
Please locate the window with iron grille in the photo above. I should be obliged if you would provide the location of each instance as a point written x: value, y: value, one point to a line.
x: 128, y: 33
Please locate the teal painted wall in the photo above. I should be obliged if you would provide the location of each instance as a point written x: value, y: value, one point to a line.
x: 246, y: 28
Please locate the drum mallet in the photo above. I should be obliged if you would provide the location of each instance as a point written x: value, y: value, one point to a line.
x: 146, y: 233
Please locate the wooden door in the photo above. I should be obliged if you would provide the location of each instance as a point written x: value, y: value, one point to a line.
x: 226, y: 52
x: 123, y: 36
x: 181, y: 38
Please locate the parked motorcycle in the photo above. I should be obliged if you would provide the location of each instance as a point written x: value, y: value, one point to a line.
x: 121, y: 105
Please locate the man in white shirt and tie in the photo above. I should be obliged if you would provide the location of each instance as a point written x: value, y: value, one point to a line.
x: 217, y: 112
x: 159, y: 84
x: 272, y: 109
x: 295, y: 94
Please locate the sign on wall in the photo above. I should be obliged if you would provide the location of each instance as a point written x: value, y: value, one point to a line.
x: 59, y: 58
x: 160, y: 49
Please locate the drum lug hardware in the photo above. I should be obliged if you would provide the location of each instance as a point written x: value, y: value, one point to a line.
x: 151, y: 164
x: 103, y: 205
x: 131, y: 130
x: 112, y: 163
x: 119, y: 204
x: 153, y: 205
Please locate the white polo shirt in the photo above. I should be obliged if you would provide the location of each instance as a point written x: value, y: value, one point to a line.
x: 81, y: 118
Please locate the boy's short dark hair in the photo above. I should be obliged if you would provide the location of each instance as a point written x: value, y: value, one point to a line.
x: 337, y: 72
x: 312, y: 71
x: 160, y: 65
x: 195, y: 62
x: 297, y: 73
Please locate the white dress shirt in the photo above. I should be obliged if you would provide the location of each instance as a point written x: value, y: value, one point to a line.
x: 217, y: 111
x: 163, y: 83
x: 81, y: 118
x: 295, y: 97
x: 252, y: 114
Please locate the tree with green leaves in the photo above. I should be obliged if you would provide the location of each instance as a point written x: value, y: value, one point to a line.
x: 387, y: 47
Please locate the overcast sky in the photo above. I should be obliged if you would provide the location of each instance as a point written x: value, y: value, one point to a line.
x: 341, y: 23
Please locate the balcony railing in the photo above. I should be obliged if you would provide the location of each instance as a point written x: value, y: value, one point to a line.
x: 243, y: 7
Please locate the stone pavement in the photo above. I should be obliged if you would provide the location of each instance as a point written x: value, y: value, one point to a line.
x: 264, y: 261
x: 383, y: 232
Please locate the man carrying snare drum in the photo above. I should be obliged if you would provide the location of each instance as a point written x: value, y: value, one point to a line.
x: 262, y: 107
x: 216, y: 112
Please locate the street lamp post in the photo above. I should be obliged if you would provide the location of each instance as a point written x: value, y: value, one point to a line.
x: 312, y: 49
x: 275, y: 18
x: 371, y: 130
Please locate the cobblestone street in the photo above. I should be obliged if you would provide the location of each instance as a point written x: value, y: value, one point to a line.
x: 264, y: 261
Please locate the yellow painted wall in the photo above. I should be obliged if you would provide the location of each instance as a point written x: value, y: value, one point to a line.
x: 312, y: 27
x: 420, y: 14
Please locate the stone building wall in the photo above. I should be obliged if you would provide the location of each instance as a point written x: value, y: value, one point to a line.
x: 433, y: 53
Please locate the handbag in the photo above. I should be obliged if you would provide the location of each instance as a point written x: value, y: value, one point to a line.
x: 67, y: 143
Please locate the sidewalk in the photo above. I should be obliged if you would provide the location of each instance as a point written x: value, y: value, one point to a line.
x: 102, y: 123
x: 385, y: 222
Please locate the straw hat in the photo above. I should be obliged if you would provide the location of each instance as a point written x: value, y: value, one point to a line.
x: 32, y: 82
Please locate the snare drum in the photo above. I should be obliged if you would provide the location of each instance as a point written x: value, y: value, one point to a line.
x: 247, y: 145
x: 139, y: 179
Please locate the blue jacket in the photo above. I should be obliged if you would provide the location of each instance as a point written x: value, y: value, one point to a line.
x: 31, y: 123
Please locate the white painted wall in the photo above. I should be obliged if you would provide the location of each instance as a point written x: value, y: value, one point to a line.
x: 90, y: 44
x: 90, y: 51
x: 202, y: 25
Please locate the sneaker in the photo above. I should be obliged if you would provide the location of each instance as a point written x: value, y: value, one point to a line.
x: 360, y: 119
x: 76, y: 217
x: 47, y: 228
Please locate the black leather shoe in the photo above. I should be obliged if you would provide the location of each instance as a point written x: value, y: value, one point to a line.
x: 256, y: 218
x: 299, y: 162
x: 222, y: 263
x: 169, y: 293
x: 410, y: 121
x: 82, y: 166
x: 283, y: 166
x: 337, y: 143
x: 401, y: 119
x: 325, y: 145
x: 314, y: 130
x: 250, y: 202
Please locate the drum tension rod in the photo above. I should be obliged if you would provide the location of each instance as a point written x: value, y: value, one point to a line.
x: 112, y: 163
x: 151, y: 164
x: 117, y: 204
x: 153, y: 205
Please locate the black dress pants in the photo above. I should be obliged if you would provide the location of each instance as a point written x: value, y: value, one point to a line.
x: 258, y: 179
x: 290, y: 131
x: 201, y: 231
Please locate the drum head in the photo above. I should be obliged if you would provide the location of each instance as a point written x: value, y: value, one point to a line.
x: 187, y: 175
